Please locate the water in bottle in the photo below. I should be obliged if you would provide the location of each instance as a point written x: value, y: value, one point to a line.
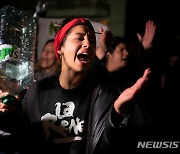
x: 17, y: 49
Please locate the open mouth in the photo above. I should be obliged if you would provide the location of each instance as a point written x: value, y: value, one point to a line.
x: 83, y: 57
x: 124, y: 59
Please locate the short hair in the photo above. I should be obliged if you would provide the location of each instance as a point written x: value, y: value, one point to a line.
x: 115, y: 41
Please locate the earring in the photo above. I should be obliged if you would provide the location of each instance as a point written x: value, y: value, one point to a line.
x: 60, y: 56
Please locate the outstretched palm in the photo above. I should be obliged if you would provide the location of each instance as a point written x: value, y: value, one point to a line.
x: 149, y: 33
x: 130, y: 93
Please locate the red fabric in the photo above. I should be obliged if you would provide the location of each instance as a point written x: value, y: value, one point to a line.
x: 62, y: 32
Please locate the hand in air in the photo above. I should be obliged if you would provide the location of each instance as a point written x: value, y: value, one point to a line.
x: 130, y: 93
x: 149, y: 34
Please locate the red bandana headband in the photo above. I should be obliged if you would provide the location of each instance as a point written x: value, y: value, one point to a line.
x: 62, y: 32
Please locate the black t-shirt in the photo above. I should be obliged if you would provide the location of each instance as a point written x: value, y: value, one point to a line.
x: 63, y: 115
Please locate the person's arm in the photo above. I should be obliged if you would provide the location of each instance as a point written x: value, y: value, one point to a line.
x: 104, y: 43
x: 119, y: 124
x: 122, y: 106
x: 128, y: 95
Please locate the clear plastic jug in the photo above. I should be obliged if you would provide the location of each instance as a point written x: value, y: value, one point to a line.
x: 17, y: 49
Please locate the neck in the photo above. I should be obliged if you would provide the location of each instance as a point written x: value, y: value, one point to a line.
x: 49, y: 70
x: 70, y: 80
x: 109, y: 67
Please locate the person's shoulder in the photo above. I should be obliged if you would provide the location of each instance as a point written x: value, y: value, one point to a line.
x: 109, y: 89
x: 45, y: 82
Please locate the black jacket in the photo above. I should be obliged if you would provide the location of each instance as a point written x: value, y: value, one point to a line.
x: 111, y: 133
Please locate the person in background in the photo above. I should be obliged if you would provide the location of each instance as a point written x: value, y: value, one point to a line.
x: 48, y: 64
x: 120, y: 61
x: 71, y: 113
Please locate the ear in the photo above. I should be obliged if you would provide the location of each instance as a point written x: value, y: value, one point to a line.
x: 60, y: 51
x: 108, y: 54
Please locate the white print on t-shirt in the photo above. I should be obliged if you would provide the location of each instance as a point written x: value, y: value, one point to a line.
x: 66, y: 127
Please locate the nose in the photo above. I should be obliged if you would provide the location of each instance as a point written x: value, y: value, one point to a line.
x: 125, y: 52
x: 86, y: 42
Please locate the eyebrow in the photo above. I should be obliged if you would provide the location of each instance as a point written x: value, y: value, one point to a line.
x: 79, y: 33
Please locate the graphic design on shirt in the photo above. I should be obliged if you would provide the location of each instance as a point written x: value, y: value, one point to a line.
x: 63, y: 127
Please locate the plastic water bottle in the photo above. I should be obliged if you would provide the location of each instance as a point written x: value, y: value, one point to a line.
x: 17, y: 49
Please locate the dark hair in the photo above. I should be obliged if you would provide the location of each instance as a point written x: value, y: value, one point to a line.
x: 48, y: 41
x: 115, y: 41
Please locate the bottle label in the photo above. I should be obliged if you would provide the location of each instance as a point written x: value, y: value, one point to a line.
x: 9, y: 52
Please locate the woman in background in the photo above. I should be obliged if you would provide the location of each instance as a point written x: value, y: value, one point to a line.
x: 48, y: 64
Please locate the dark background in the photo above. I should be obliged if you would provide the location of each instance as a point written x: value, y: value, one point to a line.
x: 165, y: 14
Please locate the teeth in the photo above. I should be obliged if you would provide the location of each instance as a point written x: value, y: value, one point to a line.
x: 83, y: 56
x: 84, y: 53
x: 124, y: 58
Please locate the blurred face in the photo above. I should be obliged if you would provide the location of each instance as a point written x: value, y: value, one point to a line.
x: 78, y: 49
x: 118, y: 59
x: 48, y: 57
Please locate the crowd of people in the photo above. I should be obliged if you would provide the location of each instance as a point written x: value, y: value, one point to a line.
x: 93, y: 100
